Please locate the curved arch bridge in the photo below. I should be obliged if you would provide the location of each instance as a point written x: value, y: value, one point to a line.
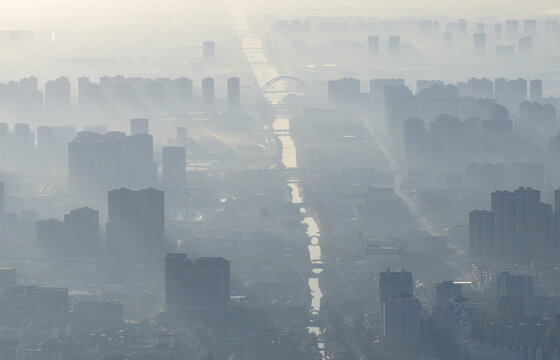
x: 267, y: 88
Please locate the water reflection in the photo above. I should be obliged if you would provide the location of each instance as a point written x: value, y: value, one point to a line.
x: 264, y: 72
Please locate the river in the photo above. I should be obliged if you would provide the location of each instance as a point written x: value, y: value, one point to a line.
x: 265, y: 71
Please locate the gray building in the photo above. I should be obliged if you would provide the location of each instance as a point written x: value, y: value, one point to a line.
x: 25, y: 303
x: 139, y: 126
x: 373, y: 46
x: 136, y: 225
x: 402, y: 323
x: 481, y: 237
x: 2, y: 198
x: 173, y: 166
x: 208, y: 51
x: 196, y: 289
x: 98, y: 163
x: 394, y: 283
x: 7, y: 278
x: 208, y: 91
x: 233, y: 92
x: 519, y: 286
x: 447, y: 290
x: 81, y: 228
x: 536, y: 90
x: 479, y: 42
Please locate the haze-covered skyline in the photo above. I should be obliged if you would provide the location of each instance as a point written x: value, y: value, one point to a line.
x: 298, y: 179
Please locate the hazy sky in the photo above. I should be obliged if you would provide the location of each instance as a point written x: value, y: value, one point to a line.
x: 13, y: 12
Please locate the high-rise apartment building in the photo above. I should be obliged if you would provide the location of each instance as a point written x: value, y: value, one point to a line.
x: 2, y: 198
x: 233, y: 94
x: 394, y: 45
x: 394, y: 283
x: 173, y: 166
x: 373, y: 46
x: 519, y: 286
x: 136, y: 225
x: 344, y: 91
x: 77, y: 236
x: 447, y: 290
x: 184, y: 91
x: 57, y: 94
x: 139, y: 126
x: 196, y: 289
x: 208, y: 51
x: 7, y: 278
x: 536, y: 90
x: 479, y: 42
x: 481, y: 235
x: 402, y: 322
x: 522, y: 228
x: 208, y: 91
x: 98, y: 163
x: 81, y: 228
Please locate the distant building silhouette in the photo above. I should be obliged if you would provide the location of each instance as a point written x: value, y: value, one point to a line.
x: 525, y: 45
x: 208, y: 91
x: 447, y: 290
x: 139, y: 126
x: 394, y: 283
x: 373, y: 46
x: 481, y: 238
x: 415, y: 141
x: 498, y: 32
x: 182, y: 135
x: 51, y: 238
x: 28, y: 303
x: 344, y: 91
x: 512, y: 30
x: 184, y: 91
x: 196, y: 289
x: 52, y: 145
x: 77, y: 236
x: 541, y: 115
x: 81, y: 228
x: 448, y: 39
x: 480, y: 27
x: 479, y: 42
x: 522, y: 228
x: 552, y: 30
x: 394, y: 45
x: 2, y: 198
x: 233, y: 92
x: 377, y: 87
x: 530, y: 27
x: 173, y: 166
x: 57, y: 94
x: 101, y: 162
x: 519, y: 286
x: 208, y: 51
x: 7, y: 278
x: 136, y: 225
x: 90, y: 95
x: 510, y: 309
x: 536, y: 90
x: 463, y: 27
x: 402, y: 322
x: 24, y: 145
x: 155, y: 93
x: 91, y: 315
x: 505, y: 52
x: 506, y: 90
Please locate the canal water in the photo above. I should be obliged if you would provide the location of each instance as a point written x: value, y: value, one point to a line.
x: 265, y: 71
